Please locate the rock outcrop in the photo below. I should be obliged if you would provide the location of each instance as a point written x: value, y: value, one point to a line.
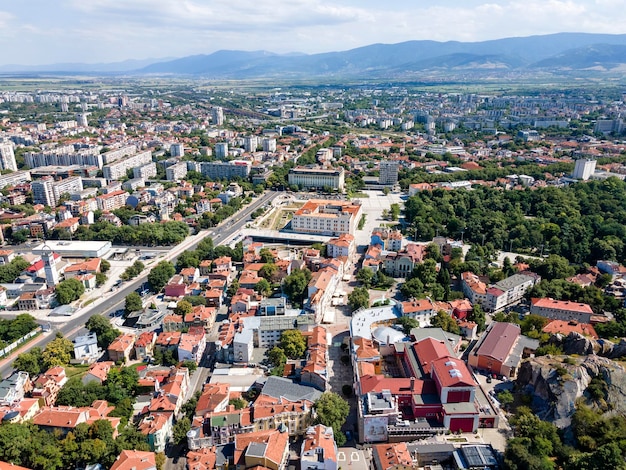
x: 575, y: 343
x: 557, y: 382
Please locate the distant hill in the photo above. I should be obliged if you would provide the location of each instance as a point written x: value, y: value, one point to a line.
x: 562, y: 52
x: 388, y: 60
x: 597, y: 56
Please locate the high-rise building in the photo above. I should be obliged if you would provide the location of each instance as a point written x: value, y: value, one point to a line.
x: 43, y: 191
x: 218, y: 116
x: 388, y: 172
x: 269, y: 145
x: 81, y: 119
x: 221, y: 150
x: 250, y: 143
x: 317, y: 178
x: 118, y: 170
x: 177, y: 150
x: 7, y: 157
x: 584, y: 168
x: 176, y: 172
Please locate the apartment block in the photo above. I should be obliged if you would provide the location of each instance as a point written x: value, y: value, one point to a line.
x: 327, y: 217
x: 118, y: 170
x: 176, y: 172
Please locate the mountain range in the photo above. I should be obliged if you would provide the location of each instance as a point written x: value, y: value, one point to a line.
x: 555, y: 53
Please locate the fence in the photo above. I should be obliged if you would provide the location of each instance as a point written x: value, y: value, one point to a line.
x: 11, y: 347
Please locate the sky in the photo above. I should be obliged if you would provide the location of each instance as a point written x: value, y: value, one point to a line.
x: 37, y: 32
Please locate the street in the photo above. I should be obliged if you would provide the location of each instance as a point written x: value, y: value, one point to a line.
x: 111, y: 301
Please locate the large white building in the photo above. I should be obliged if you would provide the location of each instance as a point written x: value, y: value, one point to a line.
x: 46, y: 191
x: 17, y: 177
x: 146, y: 171
x: 176, y: 172
x: 317, y: 178
x: 584, y: 168
x: 118, y: 170
x: 221, y: 149
x: 217, y: 113
x: 7, y: 157
x: 327, y: 217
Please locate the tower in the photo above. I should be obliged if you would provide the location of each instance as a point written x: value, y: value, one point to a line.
x: 218, y: 116
x: 49, y: 266
x: 7, y: 157
x: 388, y: 172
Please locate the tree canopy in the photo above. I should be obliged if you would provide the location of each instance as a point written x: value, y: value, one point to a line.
x: 69, y: 290
x: 160, y: 275
x: 332, y: 410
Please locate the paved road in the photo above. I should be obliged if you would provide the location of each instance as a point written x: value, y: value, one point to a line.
x: 112, y: 301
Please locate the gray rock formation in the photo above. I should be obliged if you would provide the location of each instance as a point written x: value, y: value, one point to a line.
x: 575, y: 343
x: 557, y: 382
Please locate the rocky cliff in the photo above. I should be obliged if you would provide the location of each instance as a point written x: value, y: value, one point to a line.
x: 557, y: 382
x: 575, y: 343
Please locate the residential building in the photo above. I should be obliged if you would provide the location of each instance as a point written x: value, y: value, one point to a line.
x: 473, y: 288
x: 135, y: 460
x: 422, y: 310
x: 327, y: 217
x: 342, y: 246
x: 7, y: 157
x: 111, y: 201
x: 15, y: 178
x: 269, y: 145
x: 43, y: 192
x: 157, y: 427
x: 317, y: 178
x: 584, y: 168
x: 46, y: 387
x: 121, y: 348
x: 217, y: 114
x: 561, y: 310
x: 14, y: 387
x: 98, y: 372
x: 564, y: 328
x: 268, y: 449
x: 226, y: 170
x: 146, y: 171
x: 63, y: 419
x: 145, y: 344
x: 86, y: 348
x: 221, y: 150
x: 115, y: 171
x: 509, y: 291
x: 319, y: 450
x: 192, y: 345
x: 393, y: 457
x: 402, y: 263
x: 176, y: 172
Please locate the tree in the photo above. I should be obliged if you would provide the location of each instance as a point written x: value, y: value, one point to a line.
x: 238, y: 403
x: 365, y: 276
x: 69, y: 290
x: 180, y: 430
x: 407, y: 323
x: 233, y: 288
x: 183, y: 308
x: 58, y: 352
x: 31, y: 362
x: 359, y: 298
x: 263, y: 287
x: 104, y: 266
x: 412, y: 289
x: 160, y: 275
x: 477, y: 315
x: 295, y: 285
x: 277, y: 357
x: 445, y: 322
x: 101, y: 326
x: 268, y: 271
x: 101, y: 278
x: 332, y: 410
x: 266, y: 256
x: 293, y: 343
x: 188, y: 259
x: 133, y: 302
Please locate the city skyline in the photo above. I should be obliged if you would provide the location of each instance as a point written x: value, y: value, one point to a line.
x: 39, y: 33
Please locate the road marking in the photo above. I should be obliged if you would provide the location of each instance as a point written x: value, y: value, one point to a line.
x: 341, y: 456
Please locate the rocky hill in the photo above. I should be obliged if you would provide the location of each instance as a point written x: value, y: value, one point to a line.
x: 557, y: 382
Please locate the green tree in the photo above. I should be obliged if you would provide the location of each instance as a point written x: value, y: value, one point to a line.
x: 277, y: 357
x: 477, y: 315
x: 101, y: 278
x: 266, y: 256
x: 238, y: 403
x: 133, y: 302
x: 160, y: 275
x: 295, y: 285
x: 180, y: 430
x: 183, y: 308
x: 58, y: 352
x: 445, y: 322
x: 31, y: 362
x: 407, y: 324
x: 69, y: 290
x: 268, y: 271
x: 263, y: 287
x: 233, y: 288
x: 365, y: 277
x: 101, y: 326
x: 293, y: 343
x: 412, y: 289
x: 359, y: 298
x: 104, y: 266
x: 332, y: 410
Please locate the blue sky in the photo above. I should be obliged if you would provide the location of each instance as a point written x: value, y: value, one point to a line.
x: 51, y: 31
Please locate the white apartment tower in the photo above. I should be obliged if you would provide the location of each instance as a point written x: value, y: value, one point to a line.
x: 388, y: 172
x: 218, y: 116
x: 43, y: 191
x: 7, y: 157
x: 269, y: 145
x: 584, y: 168
x: 221, y: 149
x: 250, y: 143
x: 81, y: 119
x: 177, y: 150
